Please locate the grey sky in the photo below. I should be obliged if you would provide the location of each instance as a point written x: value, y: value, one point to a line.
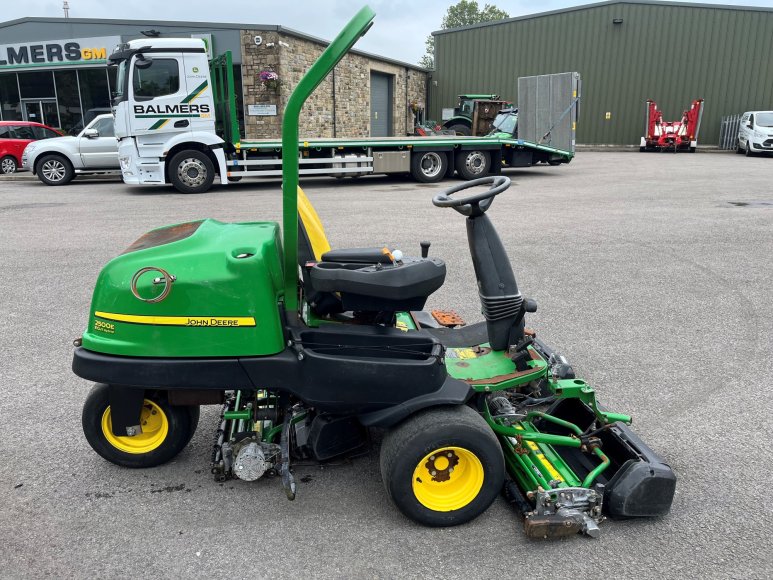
x: 399, y: 31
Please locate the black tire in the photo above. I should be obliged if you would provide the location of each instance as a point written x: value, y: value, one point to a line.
x: 191, y: 171
x: 428, y: 166
x: 195, y: 413
x: 8, y: 165
x: 180, y: 425
x: 408, y: 449
x: 460, y: 129
x: 748, y: 149
x: 54, y: 170
x: 642, y: 149
x: 554, y: 162
x: 472, y: 164
x: 738, y: 149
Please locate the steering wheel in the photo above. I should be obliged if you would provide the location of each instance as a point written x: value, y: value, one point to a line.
x: 476, y: 204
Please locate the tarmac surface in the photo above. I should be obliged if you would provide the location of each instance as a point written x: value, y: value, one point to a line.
x: 653, y: 274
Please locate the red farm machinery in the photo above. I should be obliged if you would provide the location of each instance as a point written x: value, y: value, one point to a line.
x: 673, y: 136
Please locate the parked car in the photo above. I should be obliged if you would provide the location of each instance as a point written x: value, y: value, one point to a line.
x: 93, y: 150
x: 755, y: 134
x: 15, y: 136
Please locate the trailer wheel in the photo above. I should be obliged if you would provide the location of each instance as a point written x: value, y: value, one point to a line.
x: 167, y: 430
x: 428, y: 166
x: 191, y: 171
x: 473, y: 164
x: 442, y: 466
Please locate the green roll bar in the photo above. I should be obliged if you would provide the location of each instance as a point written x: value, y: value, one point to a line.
x: 351, y: 33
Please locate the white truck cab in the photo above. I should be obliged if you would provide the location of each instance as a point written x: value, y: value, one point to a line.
x: 755, y: 133
x: 165, y: 114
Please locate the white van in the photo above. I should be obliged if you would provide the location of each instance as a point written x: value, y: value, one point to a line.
x: 755, y: 134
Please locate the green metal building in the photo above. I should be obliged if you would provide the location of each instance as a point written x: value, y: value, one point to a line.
x: 626, y: 52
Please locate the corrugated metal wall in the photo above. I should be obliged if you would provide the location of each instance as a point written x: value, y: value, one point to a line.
x: 672, y: 54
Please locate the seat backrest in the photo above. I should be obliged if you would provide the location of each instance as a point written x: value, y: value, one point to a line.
x: 312, y: 241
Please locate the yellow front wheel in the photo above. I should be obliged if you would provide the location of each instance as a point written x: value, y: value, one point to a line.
x: 165, y: 430
x: 442, y: 466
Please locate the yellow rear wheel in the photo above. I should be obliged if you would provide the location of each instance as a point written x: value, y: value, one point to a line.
x: 442, y: 466
x: 447, y: 479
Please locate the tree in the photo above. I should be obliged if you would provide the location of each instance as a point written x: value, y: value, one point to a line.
x: 463, y: 13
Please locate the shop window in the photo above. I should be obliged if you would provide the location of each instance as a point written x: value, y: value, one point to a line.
x: 37, y: 85
x: 70, y: 114
x: 95, y: 93
x: 10, y: 105
x: 161, y: 78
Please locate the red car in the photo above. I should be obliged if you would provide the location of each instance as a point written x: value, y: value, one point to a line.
x: 15, y: 136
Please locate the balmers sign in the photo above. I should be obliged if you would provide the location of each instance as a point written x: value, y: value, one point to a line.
x: 75, y: 52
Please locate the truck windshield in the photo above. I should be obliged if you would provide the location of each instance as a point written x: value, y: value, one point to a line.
x: 505, y: 123
x: 120, y: 85
x: 765, y: 119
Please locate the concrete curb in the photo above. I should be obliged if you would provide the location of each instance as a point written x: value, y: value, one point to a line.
x: 27, y: 176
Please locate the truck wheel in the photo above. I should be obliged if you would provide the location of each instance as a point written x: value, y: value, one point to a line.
x: 461, y: 129
x: 473, y: 164
x: 166, y: 430
x: 428, y: 166
x: 191, y: 171
x: 8, y: 165
x: 442, y: 466
x: 55, y: 170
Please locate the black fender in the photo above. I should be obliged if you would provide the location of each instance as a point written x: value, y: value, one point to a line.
x: 452, y: 392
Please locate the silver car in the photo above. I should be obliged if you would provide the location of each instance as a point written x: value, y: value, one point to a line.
x: 56, y: 161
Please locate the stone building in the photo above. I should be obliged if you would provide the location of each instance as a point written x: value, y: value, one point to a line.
x: 365, y: 96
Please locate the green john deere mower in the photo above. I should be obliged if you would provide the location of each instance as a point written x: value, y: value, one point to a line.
x: 216, y: 313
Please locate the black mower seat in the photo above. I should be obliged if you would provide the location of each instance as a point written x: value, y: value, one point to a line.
x: 358, y: 256
x: 404, y: 285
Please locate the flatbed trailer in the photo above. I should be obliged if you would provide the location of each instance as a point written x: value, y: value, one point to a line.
x: 427, y: 159
x: 183, y: 129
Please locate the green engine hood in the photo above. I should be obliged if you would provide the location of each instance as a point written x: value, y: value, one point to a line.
x: 223, y: 301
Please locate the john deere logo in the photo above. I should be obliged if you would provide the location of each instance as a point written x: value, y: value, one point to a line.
x: 195, y: 69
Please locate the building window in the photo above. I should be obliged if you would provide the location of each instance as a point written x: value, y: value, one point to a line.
x: 95, y: 94
x: 37, y: 85
x: 161, y: 78
x: 70, y: 114
x: 10, y: 105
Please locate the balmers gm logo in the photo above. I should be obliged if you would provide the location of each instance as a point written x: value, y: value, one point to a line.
x: 167, y: 110
x: 56, y: 53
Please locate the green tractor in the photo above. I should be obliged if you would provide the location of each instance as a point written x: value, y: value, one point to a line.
x: 474, y: 114
x: 305, y: 348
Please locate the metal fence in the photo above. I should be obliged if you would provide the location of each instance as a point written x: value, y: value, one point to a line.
x: 728, y: 132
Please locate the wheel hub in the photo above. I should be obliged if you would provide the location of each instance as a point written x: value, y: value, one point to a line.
x: 430, y: 164
x: 53, y: 170
x: 192, y: 172
x: 8, y: 166
x: 475, y: 162
x: 155, y: 427
x: 441, y: 466
x: 448, y: 479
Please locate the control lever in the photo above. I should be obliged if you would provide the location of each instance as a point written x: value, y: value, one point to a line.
x: 424, y: 248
